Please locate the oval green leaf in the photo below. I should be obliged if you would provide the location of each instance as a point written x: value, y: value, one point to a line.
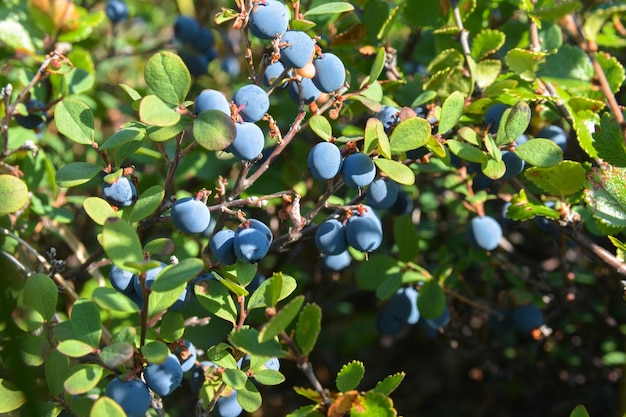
x: 147, y: 203
x: 76, y: 173
x: 153, y: 111
x: 41, y: 293
x: 168, y: 77
x: 98, y: 209
x: 75, y: 120
x: 451, y: 111
x: 410, y: 134
x: 213, y: 130
x: 10, y: 397
x: 155, y: 352
x: 14, y: 194
x: 277, y: 324
x: 110, y: 299
x: 83, y: 378
x: 432, y: 300
x: 321, y: 127
x: 121, y: 243
x: 396, y: 171
x: 74, y: 348
x: 106, y: 407
x: 330, y: 8
x: 540, y: 152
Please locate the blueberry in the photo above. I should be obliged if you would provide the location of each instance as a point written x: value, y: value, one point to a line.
x: 382, y: 193
x: 272, y: 72
x: 513, y: 163
x: 297, y: 50
x: 358, y: 170
x: 438, y: 322
x: 402, y: 205
x: 121, y: 193
x: 116, y: 11
x: 164, y: 378
x: 209, y: 99
x: 555, y: 134
x: 527, y: 318
x: 197, y: 375
x: 133, y: 396
x: 222, y: 247
x: 403, y: 305
x: 364, y: 233
x: 182, y: 300
x: 324, y: 161
x: 310, y: 92
x: 204, y: 41
x: 231, y: 66
x: 197, y: 64
x: 388, y: 115
x: 493, y: 116
x: 268, y: 19
x: 228, y: 406
x: 330, y: 73
x: 151, y: 275
x: 388, y: 324
x: 484, y: 232
x: 330, y: 237
x: 338, y: 262
x: 252, y: 243
x: 186, y: 29
x: 252, y: 102
x: 248, y: 143
x: 190, y: 215
x: 262, y: 227
x: 189, y: 353
x: 121, y: 280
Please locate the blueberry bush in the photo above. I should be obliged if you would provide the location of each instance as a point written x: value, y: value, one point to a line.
x: 237, y: 207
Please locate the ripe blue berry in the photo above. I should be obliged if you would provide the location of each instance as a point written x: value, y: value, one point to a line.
x: 248, y: 143
x: 364, y: 233
x: 116, y: 11
x: 190, y: 215
x: 484, y: 232
x: 388, y: 324
x: 388, y: 116
x: 527, y: 318
x: 272, y: 72
x: 297, y: 50
x: 253, y: 241
x: 204, y: 41
x: 164, y: 378
x: 133, y: 396
x: 186, y: 29
x: 182, y: 300
x: 197, y: 64
x: 382, y: 193
x: 403, y: 305
x: 252, y: 102
x: 268, y: 19
x: 402, y: 205
x: 433, y: 325
x: 338, y: 262
x: 330, y: 237
x: 493, y: 116
x: 358, y: 170
x: 228, y: 406
x: 209, y: 99
x: 197, y: 377
x: 324, y: 161
x: 330, y: 73
x: 555, y: 134
x: 121, y: 280
x: 513, y: 163
x: 222, y: 246
x: 121, y: 193
x: 310, y: 92
x: 231, y: 66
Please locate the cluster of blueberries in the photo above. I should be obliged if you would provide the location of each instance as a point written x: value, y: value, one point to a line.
x: 196, y: 44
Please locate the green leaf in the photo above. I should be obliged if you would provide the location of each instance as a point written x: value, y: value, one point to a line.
x: 56, y: 368
x: 516, y: 122
x: 10, y: 397
x: 523, y: 209
x: 486, y: 72
x: 447, y: 59
x: 122, y: 137
x: 172, y: 326
x: 216, y: 298
x: 580, y: 122
x: 165, y: 133
x: 370, y: 136
x: 469, y: 135
x: 213, y: 130
x: 432, y: 300
x: 75, y: 120
x: 389, y: 384
x: 98, y: 209
x: 271, y: 291
x: 161, y: 300
x: 555, y: 11
x: 121, y: 243
x: 283, y: 318
x: 321, y: 127
x: 85, y: 319
x: 466, y: 152
x: 76, y: 173
x: 396, y: 171
x: 308, y: 328
x: 229, y: 282
x: 609, y: 142
x: 579, y: 411
x: 220, y: 355
x: 110, y: 299
x: 74, y: 348
x: 410, y: 134
x: 613, y: 70
x: 373, y: 404
x: 451, y: 111
x: 41, y: 293
x: 249, y: 397
x: 14, y: 194
x: 524, y: 63
x: 155, y: 351
x: 15, y: 36
x: 306, y: 411
x: 106, y: 407
x: 330, y: 8
x: 370, y: 274
x: 153, y: 111
x: 493, y: 168
x: 350, y: 375
x: 235, y: 378
x: 247, y: 340
x: 487, y: 42
x: 540, y: 152
x: 82, y: 378
x: 406, y: 238
x: 378, y: 65
x: 159, y: 246
x: 562, y: 179
x: 569, y: 67
x: 116, y: 354
x: 269, y: 377
x: 594, y: 21
x: 168, y: 77
x: 173, y: 276
x: 605, y: 194
x: 245, y: 272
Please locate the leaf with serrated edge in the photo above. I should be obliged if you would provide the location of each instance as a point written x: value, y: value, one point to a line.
x: 609, y: 142
x: 523, y: 209
x: 350, y: 375
x: 606, y: 197
x: 308, y: 328
x: 281, y: 320
x: 486, y: 43
x: 562, y: 179
x: 373, y: 404
x: 389, y: 384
